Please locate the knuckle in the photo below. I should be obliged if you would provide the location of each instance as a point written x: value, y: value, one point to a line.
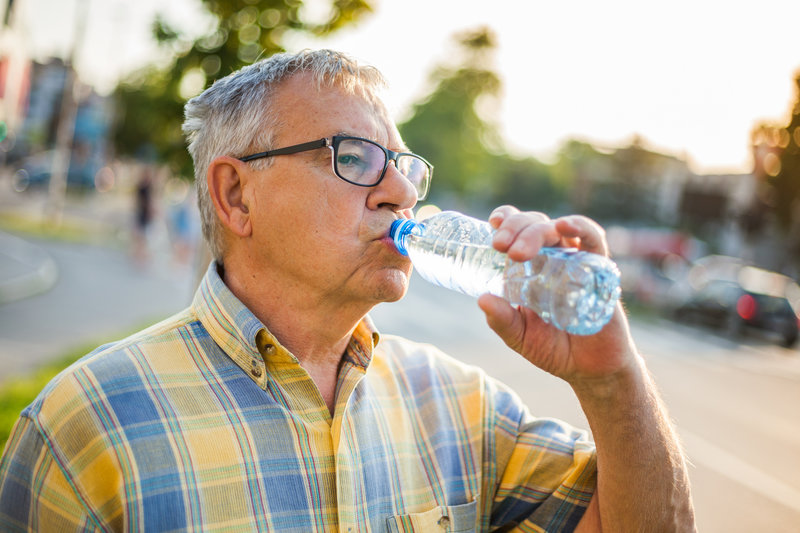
x: 538, y: 214
x: 523, y: 220
x: 590, y: 222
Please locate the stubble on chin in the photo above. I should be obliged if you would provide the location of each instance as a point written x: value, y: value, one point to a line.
x: 393, y: 285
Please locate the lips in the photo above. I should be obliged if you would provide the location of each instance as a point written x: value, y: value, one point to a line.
x: 382, y: 227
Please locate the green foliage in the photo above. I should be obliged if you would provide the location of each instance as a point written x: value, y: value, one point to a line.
x: 452, y: 129
x: 446, y: 127
x: 37, y: 226
x: 473, y: 169
x: 151, y: 101
x: 17, y: 393
x: 527, y: 184
x: 578, y: 166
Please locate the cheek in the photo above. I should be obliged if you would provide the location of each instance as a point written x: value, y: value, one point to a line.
x: 342, y: 208
x: 312, y: 212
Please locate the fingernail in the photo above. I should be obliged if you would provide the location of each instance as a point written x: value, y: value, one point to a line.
x: 496, y: 218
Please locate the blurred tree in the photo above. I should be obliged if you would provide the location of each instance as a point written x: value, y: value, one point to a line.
x: 632, y: 192
x: 527, y: 184
x: 758, y: 215
x: 151, y: 101
x: 447, y: 128
x: 578, y: 167
x: 617, y: 185
x: 784, y: 176
x: 452, y: 127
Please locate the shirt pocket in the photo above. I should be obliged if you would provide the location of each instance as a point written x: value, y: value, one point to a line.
x: 447, y: 518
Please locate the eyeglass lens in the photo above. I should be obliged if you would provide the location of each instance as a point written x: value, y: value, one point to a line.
x: 362, y: 162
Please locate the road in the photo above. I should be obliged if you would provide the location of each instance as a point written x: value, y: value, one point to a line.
x: 98, y: 295
x: 735, y: 405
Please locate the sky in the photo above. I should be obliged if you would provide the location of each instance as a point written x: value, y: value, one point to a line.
x: 690, y: 77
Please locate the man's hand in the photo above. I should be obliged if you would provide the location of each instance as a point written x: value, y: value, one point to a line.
x: 637, y: 450
x: 574, y: 358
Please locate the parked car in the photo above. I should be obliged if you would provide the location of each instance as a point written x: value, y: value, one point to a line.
x: 740, y: 299
x: 34, y: 172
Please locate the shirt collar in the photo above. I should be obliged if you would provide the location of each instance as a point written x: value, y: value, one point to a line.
x: 232, y: 325
x: 365, y: 338
x: 248, y: 342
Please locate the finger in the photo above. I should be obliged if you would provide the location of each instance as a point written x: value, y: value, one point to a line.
x: 500, y: 214
x: 533, y: 238
x: 587, y: 234
x: 513, y: 226
x: 503, y: 318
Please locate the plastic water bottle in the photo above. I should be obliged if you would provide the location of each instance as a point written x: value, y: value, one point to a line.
x: 573, y: 290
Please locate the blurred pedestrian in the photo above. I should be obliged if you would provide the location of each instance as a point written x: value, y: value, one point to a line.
x: 143, y: 215
x: 273, y: 404
x: 183, y: 221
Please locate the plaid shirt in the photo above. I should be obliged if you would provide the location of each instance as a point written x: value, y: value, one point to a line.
x: 204, y: 422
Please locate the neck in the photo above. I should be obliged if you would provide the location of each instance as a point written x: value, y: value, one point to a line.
x: 316, y: 328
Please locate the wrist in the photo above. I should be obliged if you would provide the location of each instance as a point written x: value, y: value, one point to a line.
x: 622, y: 385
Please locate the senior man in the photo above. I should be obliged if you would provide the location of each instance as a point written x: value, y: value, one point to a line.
x: 272, y: 404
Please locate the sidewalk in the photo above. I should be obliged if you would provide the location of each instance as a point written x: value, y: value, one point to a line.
x: 57, y: 294
x: 25, y: 269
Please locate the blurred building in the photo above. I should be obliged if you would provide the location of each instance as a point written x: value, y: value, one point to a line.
x: 713, y: 205
x: 637, y: 187
x: 731, y: 212
x: 38, y: 131
x: 630, y: 186
x: 15, y: 67
x: 37, y: 135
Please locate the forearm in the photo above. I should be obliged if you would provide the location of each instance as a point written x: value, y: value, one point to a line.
x: 642, y: 480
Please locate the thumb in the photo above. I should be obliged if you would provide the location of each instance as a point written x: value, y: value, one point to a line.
x: 504, y: 319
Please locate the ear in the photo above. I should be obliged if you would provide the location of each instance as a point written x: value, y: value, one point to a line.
x: 227, y: 178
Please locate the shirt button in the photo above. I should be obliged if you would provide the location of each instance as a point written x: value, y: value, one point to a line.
x: 269, y: 349
x: 256, y: 371
x: 444, y: 523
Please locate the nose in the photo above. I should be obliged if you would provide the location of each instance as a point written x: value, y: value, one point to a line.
x: 394, y: 190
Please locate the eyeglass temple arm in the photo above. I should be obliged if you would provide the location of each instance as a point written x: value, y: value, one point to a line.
x: 321, y: 143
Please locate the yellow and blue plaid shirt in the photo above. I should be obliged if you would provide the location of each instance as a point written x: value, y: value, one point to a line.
x: 204, y: 422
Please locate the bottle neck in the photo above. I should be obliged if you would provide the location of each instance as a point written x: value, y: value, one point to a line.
x: 400, y: 230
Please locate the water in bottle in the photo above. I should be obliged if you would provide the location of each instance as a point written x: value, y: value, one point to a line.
x: 574, y: 290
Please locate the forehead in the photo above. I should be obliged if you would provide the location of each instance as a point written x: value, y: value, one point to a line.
x: 306, y: 112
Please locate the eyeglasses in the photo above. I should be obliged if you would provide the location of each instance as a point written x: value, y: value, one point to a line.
x: 363, y: 162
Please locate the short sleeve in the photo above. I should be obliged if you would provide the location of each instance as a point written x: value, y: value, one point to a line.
x: 547, y: 470
x: 35, y: 495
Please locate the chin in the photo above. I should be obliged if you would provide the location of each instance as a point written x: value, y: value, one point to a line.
x: 392, y: 287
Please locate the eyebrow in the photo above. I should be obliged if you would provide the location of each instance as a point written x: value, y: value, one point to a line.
x: 402, y: 149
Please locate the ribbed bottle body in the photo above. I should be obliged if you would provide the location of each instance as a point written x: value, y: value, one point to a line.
x: 573, y: 290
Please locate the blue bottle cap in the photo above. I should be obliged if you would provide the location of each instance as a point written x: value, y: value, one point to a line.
x: 400, y: 229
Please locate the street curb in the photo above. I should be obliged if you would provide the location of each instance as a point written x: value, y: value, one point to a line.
x: 41, y: 274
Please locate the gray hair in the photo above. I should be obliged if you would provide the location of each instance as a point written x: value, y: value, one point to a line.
x: 235, y: 115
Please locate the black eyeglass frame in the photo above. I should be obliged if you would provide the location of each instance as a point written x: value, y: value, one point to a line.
x: 333, y: 144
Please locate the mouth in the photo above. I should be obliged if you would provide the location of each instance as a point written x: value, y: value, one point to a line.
x: 382, y: 234
x: 389, y: 243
